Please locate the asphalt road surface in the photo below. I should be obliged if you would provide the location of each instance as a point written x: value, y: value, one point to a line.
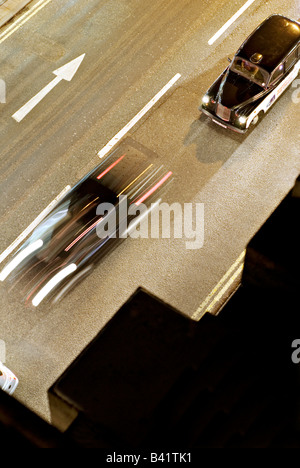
x: 132, y: 49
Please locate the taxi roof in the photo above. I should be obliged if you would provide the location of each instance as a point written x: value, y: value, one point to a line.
x: 273, y: 39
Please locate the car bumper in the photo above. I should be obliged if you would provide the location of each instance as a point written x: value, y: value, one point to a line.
x: 221, y: 122
x: 9, y: 380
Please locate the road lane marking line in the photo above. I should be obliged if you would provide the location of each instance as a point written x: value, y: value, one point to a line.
x: 33, y: 225
x: 230, y: 21
x: 23, y: 19
x: 215, y: 292
x: 66, y: 72
x: 137, y: 117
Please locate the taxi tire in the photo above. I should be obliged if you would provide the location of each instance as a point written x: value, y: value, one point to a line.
x: 257, y: 118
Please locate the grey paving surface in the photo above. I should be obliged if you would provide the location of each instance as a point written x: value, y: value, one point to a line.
x: 132, y: 50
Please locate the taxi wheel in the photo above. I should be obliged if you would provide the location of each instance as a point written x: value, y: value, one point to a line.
x: 257, y: 118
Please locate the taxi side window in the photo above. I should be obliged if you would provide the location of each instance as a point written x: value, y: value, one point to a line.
x: 277, y: 72
x: 290, y: 60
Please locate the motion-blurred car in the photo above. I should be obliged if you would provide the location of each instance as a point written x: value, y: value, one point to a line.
x: 75, y: 235
x: 263, y: 67
x: 8, y: 381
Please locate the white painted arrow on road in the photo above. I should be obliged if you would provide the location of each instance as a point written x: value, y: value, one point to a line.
x: 66, y: 72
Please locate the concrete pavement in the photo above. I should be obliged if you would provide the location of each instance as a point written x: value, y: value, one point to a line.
x: 132, y: 50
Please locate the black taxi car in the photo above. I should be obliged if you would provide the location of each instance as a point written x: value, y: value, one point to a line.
x: 263, y: 67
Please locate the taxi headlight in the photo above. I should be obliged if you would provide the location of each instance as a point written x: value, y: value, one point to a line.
x: 242, y: 119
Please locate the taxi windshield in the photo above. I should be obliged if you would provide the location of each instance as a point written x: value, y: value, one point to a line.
x: 250, y: 71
